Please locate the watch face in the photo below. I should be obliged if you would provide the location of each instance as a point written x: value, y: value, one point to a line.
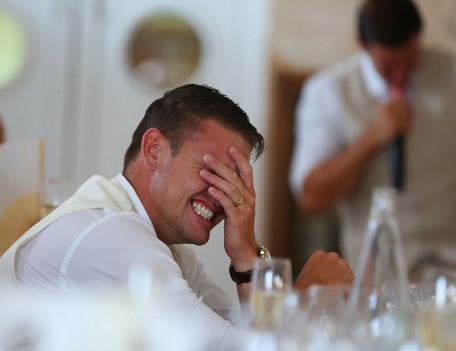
x: 264, y: 253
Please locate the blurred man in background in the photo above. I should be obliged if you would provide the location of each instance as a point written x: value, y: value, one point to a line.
x: 349, y: 116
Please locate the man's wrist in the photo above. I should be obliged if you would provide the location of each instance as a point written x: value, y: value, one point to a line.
x: 246, y: 276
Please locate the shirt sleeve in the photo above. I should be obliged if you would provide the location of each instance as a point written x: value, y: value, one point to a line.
x: 203, y: 285
x: 317, y: 129
x: 105, y: 255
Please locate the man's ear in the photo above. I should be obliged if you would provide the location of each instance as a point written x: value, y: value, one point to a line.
x: 152, y: 144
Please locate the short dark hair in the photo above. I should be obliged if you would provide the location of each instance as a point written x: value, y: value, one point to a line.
x: 179, y: 113
x: 388, y: 22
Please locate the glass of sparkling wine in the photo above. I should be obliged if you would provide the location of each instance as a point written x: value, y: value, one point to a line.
x: 271, y: 282
x: 436, y: 318
x: 53, y: 191
x: 436, y: 328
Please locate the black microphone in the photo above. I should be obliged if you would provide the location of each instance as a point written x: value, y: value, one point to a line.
x: 397, y: 163
x: 397, y: 156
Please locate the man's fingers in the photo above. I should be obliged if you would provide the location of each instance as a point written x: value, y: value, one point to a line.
x: 244, y: 167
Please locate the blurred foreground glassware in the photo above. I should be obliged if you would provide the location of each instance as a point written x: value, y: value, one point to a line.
x: 271, y: 282
x: 436, y: 328
x: 379, y: 301
x: 436, y: 318
x: 134, y: 317
x: 432, y: 273
x: 316, y: 317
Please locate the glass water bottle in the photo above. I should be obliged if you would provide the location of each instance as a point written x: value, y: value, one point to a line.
x: 381, y: 264
x: 379, y: 300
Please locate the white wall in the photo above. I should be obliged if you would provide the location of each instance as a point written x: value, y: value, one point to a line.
x: 310, y: 34
x: 33, y: 105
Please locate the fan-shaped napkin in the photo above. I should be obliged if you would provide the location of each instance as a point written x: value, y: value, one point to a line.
x: 21, y: 169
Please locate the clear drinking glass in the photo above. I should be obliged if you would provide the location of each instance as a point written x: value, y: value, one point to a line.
x: 271, y: 282
x: 53, y: 192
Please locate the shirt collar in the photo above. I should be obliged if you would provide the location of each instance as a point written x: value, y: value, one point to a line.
x: 137, y: 204
x: 376, y: 85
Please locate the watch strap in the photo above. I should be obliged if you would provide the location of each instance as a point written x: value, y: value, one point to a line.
x: 240, y: 277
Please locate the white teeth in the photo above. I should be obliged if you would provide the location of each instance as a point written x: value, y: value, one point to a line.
x: 202, y: 211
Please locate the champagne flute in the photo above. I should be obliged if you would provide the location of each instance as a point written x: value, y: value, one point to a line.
x: 271, y: 282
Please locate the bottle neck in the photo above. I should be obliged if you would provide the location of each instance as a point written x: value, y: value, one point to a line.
x: 383, y: 202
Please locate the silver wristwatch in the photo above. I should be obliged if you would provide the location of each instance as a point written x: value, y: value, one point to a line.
x: 263, y: 252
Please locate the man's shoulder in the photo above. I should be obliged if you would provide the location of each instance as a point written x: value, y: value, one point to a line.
x: 100, y: 224
x: 428, y: 52
x: 104, y: 234
x: 436, y: 71
x: 432, y: 59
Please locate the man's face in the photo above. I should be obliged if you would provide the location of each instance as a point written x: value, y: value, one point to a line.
x: 395, y: 64
x: 179, y: 193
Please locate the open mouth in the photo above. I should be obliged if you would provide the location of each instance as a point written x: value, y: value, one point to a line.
x: 202, y: 211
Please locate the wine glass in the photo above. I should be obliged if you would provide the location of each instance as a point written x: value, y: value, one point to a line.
x: 316, y: 315
x: 271, y: 282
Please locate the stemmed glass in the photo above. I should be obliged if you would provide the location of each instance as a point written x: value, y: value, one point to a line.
x: 316, y: 316
x: 271, y: 282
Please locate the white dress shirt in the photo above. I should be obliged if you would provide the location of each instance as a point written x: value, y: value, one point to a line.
x: 319, y: 128
x: 89, y: 250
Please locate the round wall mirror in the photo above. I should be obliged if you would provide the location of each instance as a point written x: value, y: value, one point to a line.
x: 13, y: 48
x: 164, y: 51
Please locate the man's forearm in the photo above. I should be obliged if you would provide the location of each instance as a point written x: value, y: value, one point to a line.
x: 335, y: 179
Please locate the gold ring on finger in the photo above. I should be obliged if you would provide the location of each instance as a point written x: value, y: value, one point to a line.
x: 240, y: 201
